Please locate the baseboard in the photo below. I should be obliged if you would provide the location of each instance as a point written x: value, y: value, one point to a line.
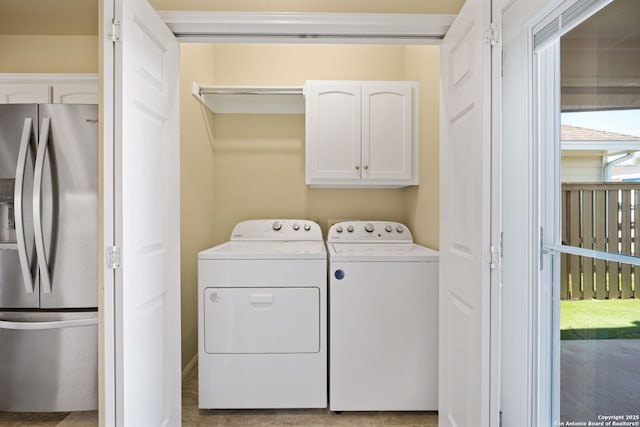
x: 190, y: 367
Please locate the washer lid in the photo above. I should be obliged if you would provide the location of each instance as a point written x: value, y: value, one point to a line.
x: 266, y: 250
x: 380, y: 252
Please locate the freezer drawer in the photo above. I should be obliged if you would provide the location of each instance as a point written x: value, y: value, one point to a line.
x: 48, y: 361
x: 261, y: 320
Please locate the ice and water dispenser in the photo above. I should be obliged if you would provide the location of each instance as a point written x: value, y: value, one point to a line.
x: 7, y: 219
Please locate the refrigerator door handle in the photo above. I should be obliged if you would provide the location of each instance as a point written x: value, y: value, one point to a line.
x: 43, y: 263
x: 26, y: 142
x: 58, y: 324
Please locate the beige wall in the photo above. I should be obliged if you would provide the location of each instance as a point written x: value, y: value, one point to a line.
x: 259, y: 159
x: 48, y: 54
x: 422, y: 63
x: 198, y: 218
x: 343, y: 6
x: 237, y: 166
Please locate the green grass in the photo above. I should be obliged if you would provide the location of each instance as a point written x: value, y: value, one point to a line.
x: 600, y: 319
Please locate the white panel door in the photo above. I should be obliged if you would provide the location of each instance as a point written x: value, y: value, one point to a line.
x: 147, y: 219
x: 465, y: 203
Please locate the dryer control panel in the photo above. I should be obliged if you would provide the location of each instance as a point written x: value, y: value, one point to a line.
x: 277, y: 229
x: 369, y: 231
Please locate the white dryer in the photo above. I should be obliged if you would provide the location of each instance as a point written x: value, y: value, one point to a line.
x: 262, y: 303
x: 383, y: 319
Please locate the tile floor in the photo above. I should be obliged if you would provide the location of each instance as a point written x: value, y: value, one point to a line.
x: 193, y: 417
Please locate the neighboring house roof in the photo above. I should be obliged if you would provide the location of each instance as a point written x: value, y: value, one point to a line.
x: 579, y: 138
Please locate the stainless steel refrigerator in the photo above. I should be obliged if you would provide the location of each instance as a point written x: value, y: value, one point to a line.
x: 48, y: 257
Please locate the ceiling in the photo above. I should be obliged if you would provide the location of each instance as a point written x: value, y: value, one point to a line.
x: 49, y: 17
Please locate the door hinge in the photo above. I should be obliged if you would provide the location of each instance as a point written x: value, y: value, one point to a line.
x: 113, y: 256
x: 116, y: 31
x: 493, y: 257
x: 493, y: 34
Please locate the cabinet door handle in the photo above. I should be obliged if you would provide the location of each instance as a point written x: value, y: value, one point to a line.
x: 357, y: 167
x: 366, y: 167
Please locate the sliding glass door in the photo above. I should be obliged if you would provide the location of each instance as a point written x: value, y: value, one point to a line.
x: 588, y: 130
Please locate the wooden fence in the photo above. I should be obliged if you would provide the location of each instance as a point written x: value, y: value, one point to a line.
x: 603, y: 217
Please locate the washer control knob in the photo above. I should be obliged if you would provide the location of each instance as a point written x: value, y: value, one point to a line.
x: 277, y: 226
x: 350, y: 228
x: 399, y: 229
x: 369, y: 228
x: 388, y: 228
x: 339, y: 229
x: 307, y: 227
x: 296, y: 226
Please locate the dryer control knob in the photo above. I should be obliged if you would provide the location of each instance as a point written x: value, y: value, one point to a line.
x: 296, y: 226
x: 350, y: 228
x: 399, y: 229
x: 388, y: 228
x: 277, y: 226
x: 369, y: 228
x: 339, y: 229
x: 307, y: 227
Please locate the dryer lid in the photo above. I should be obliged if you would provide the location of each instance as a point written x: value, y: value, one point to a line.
x: 266, y: 250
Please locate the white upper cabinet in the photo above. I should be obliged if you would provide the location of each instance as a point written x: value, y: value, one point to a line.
x: 30, y: 93
x: 48, y: 88
x: 75, y: 93
x: 361, y: 133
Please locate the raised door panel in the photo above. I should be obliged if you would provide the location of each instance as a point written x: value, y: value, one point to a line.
x: 387, y: 133
x: 333, y: 117
x: 32, y: 93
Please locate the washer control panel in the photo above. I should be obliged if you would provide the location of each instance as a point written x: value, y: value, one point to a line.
x: 369, y: 231
x: 277, y: 229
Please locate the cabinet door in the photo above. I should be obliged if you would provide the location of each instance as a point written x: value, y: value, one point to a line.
x: 32, y: 93
x: 333, y: 123
x: 75, y: 93
x: 388, y: 132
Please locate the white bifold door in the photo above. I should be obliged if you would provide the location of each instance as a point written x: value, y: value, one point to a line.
x: 142, y: 370
x: 465, y: 220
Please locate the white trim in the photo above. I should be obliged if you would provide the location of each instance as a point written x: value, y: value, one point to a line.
x: 107, y: 323
x: 49, y: 78
x: 547, y: 143
x: 270, y: 27
x: 600, y: 145
x: 495, y: 312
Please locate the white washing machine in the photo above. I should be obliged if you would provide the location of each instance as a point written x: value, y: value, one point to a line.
x: 383, y: 319
x: 262, y: 304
